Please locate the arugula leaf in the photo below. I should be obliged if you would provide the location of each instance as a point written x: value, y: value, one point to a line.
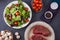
x: 19, y: 1
x: 7, y: 10
x: 12, y: 10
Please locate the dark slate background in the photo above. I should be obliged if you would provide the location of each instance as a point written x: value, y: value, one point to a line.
x: 54, y: 22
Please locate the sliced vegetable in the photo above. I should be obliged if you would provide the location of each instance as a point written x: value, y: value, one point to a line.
x: 23, y: 12
x: 17, y: 13
x: 17, y: 4
x: 12, y: 10
x: 17, y: 7
x: 26, y: 9
x: 26, y: 20
x: 15, y: 23
x: 7, y: 10
x: 19, y: 23
x: 21, y: 8
x: 18, y: 18
x: 9, y: 17
x: 19, y: 1
x: 13, y: 5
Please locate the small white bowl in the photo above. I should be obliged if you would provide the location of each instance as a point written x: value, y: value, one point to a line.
x: 46, y: 13
x: 54, y: 5
x: 28, y: 33
x: 26, y: 5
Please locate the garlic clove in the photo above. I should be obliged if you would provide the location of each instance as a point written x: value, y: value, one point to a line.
x: 10, y: 37
x: 2, y: 32
x: 18, y: 37
x: 16, y: 33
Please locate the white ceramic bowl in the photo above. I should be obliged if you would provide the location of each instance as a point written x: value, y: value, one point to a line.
x: 54, y: 5
x: 28, y: 33
x: 50, y: 13
x: 26, y: 5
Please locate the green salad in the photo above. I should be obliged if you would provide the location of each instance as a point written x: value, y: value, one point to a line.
x: 17, y: 14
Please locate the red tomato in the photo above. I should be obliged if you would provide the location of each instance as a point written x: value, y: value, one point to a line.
x: 10, y: 18
x: 16, y: 23
x: 40, y: 2
x: 33, y: 4
x: 26, y: 9
x: 36, y: 1
x: 17, y: 4
x: 34, y: 7
x: 40, y: 5
x: 26, y: 20
x: 17, y: 13
x: 37, y: 5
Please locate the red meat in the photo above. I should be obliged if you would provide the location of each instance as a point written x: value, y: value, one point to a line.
x: 37, y: 37
x: 38, y: 29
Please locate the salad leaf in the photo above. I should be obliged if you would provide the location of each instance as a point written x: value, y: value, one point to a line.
x: 19, y: 23
x: 23, y: 13
x: 16, y: 18
x: 17, y: 7
x: 10, y: 22
x: 7, y: 10
x: 19, y: 1
x: 22, y: 22
x: 28, y: 14
x: 21, y: 8
x: 13, y: 5
x: 12, y: 10
x: 13, y: 17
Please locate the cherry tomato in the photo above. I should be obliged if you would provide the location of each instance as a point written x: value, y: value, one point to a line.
x: 33, y: 4
x: 10, y: 18
x: 26, y: 20
x: 26, y: 9
x: 17, y: 4
x: 37, y: 5
x: 40, y: 2
x: 16, y: 23
x: 36, y: 9
x: 40, y: 5
x: 17, y: 13
x: 36, y: 1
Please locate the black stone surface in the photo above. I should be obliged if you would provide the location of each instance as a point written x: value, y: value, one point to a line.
x: 54, y: 22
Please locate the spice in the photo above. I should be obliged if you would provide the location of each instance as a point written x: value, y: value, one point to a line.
x: 48, y: 15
